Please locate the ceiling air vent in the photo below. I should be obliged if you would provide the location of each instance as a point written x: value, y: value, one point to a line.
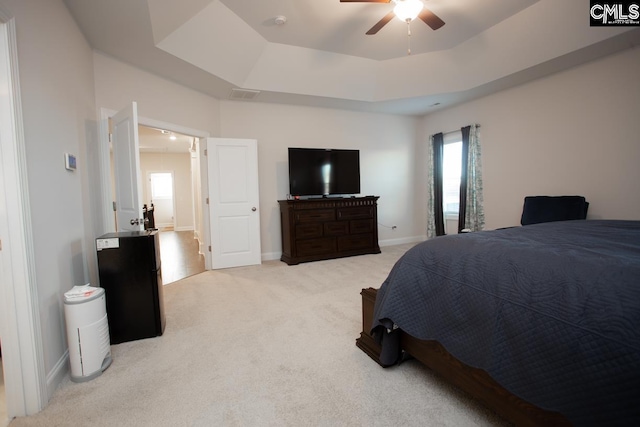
x: 243, y: 94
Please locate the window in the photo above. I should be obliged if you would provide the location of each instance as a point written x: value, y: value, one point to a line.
x: 161, y: 185
x: 451, y: 172
x: 454, y: 160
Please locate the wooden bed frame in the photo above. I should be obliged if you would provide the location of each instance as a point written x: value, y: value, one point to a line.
x: 474, y: 381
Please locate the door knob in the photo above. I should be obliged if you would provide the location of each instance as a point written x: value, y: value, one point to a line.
x: 254, y: 209
x: 134, y: 221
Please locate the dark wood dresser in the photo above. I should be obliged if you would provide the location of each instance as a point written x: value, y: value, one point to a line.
x: 324, y: 228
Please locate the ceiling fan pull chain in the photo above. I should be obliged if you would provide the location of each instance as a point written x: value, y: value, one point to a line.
x: 408, y: 37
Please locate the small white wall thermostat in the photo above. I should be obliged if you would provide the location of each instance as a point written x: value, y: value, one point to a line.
x: 69, y: 162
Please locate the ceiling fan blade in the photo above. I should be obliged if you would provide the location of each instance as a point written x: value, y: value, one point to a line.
x: 431, y: 19
x: 365, y: 1
x: 381, y: 23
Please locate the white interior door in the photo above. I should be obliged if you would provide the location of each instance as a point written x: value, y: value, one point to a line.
x: 126, y: 164
x: 234, y: 202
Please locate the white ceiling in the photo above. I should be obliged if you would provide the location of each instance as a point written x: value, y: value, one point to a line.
x: 153, y: 140
x: 340, y: 27
x: 321, y: 55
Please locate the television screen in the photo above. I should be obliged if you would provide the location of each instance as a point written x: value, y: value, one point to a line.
x: 323, y: 172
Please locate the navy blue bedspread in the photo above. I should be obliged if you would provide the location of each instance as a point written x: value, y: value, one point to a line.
x: 551, y: 311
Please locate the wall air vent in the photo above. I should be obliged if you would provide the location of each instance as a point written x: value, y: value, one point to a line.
x: 243, y: 94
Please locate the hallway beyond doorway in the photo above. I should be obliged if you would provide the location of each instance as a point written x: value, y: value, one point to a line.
x: 179, y: 255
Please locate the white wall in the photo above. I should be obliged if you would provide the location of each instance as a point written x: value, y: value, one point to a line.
x: 58, y: 107
x: 180, y: 165
x: 386, y: 143
x: 118, y: 84
x: 575, y: 132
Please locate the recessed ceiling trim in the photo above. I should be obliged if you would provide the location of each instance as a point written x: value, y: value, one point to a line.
x: 243, y: 47
x: 277, y: 67
x: 217, y: 41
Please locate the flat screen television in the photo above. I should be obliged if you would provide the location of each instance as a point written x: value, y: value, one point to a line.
x: 323, y: 172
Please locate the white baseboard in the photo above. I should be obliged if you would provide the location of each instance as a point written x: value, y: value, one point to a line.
x: 270, y: 256
x: 402, y: 241
x: 185, y: 228
x: 57, y: 374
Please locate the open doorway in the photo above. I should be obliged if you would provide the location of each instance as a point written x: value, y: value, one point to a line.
x: 197, y: 143
x: 169, y: 172
x: 166, y: 164
x: 22, y: 377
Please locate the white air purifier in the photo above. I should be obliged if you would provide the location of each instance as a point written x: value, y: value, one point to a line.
x: 87, y: 332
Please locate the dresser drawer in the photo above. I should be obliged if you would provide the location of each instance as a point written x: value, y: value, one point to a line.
x: 337, y: 228
x: 350, y: 243
x: 361, y: 226
x: 326, y: 228
x: 315, y: 247
x: 355, y: 212
x: 308, y: 231
x: 319, y: 215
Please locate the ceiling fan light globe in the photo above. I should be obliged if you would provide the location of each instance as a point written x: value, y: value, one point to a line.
x: 408, y: 10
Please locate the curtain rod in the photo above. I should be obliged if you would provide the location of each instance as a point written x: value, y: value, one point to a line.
x: 452, y: 131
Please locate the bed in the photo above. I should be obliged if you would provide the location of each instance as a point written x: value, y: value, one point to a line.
x: 540, y: 323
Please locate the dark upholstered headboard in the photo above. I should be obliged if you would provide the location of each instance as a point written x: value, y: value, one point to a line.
x: 539, y: 209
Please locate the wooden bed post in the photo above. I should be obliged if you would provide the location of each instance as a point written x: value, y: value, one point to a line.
x: 366, y: 342
x: 473, y: 381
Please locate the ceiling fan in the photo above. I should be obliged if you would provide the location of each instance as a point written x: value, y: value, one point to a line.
x: 405, y: 10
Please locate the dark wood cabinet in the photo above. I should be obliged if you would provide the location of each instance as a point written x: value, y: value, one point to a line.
x: 316, y: 229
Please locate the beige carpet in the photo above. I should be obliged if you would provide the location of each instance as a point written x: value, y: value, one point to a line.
x: 269, y: 345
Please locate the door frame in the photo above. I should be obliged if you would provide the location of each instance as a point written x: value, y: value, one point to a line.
x: 105, y: 170
x: 23, y: 353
